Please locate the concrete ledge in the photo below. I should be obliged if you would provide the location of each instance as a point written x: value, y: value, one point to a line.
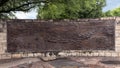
x: 23, y: 55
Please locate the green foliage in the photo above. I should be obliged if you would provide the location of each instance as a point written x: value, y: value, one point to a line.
x: 71, y: 9
x: 7, y: 7
x: 111, y: 13
x: 7, y: 16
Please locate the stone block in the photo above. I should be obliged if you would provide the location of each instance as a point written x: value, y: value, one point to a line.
x: 2, y: 52
x: 101, y: 54
x: 117, y: 26
x: 5, y: 56
x: 114, y: 54
x: 89, y: 54
x: 108, y: 54
x: 117, y: 31
x: 62, y: 54
x: 117, y: 48
x: 83, y: 54
x: 73, y: 54
x: 16, y: 55
x: 117, y: 39
x: 118, y: 54
x: 24, y: 54
x: 3, y: 34
x: 95, y: 54
x: 117, y: 35
x: 38, y: 54
x: 117, y: 43
x: 3, y: 38
x: 30, y: 55
x: 77, y: 54
x: 2, y: 49
x: 67, y: 54
x: 3, y: 43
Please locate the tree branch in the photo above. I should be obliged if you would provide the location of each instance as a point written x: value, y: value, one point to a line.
x: 19, y: 8
x: 2, y: 2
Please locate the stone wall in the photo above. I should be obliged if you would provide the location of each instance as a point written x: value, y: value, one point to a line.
x: 3, y: 37
x: 113, y: 20
x: 109, y: 20
x: 117, y: 33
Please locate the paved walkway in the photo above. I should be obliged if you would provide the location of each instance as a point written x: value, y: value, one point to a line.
x: 18, y: 62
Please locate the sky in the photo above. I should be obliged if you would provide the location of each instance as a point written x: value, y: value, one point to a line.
x: 111, y: 4
x: 26, y: 15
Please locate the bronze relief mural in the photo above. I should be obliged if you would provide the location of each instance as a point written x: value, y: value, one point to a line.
x: 37, y: 36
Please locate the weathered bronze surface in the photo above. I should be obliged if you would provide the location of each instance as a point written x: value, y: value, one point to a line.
x: 60, y: 35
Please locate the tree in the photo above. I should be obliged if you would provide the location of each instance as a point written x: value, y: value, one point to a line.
x: 9, y: 6
x: 111, y: 13
x: 71, y: 9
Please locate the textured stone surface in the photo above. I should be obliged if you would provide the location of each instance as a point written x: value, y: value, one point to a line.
x: 32, y: 36
x: 117, y: 38
x: 3, y: 37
